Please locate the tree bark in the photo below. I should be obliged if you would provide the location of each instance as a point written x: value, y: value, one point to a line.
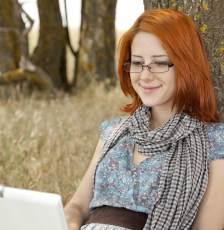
x: 50, y: 51
x: 97, y: 43
x: 11, y: 26
x: 209, y: 17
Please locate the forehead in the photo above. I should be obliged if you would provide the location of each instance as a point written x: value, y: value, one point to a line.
x: 147, y: 44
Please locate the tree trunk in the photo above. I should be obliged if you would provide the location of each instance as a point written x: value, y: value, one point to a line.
x: 208, y: 15
x: 11, y: 26
x: 50, y: 51
x: 97, y: 43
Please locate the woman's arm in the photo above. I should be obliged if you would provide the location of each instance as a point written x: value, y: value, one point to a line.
x: 77, y: 209
x: 211, y: 211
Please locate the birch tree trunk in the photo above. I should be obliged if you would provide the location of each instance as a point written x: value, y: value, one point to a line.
x: 208, y: 15
x: 97, y: 42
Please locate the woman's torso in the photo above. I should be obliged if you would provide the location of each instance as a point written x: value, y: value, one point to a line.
x: 126, y: 179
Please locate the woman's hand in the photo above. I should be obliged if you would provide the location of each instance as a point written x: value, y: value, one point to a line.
x: 77, y: 209
x: 73, y: 226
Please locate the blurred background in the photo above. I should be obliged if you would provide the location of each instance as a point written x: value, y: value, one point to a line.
x: 58, y: 81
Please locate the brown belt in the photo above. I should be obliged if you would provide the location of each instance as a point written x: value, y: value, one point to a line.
x: 117, y: 216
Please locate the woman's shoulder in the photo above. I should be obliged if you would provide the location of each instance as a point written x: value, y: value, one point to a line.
x: 216, y: 138
x: 107, y: 126
x: 216, y: 130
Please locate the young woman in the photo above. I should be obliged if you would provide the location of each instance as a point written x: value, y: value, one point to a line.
x: 162, y: 166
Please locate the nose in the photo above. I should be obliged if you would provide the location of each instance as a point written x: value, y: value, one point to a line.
x: 146, y: 74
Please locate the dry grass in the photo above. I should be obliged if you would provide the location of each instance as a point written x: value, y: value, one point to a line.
x: 47, y: 142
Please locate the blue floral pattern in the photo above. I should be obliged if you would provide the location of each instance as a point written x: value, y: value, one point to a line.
x: 121, y: 183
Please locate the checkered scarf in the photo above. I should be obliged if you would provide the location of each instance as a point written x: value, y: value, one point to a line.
x: 184, y: 177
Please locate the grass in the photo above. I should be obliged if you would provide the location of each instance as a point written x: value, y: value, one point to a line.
x: 47, y: 142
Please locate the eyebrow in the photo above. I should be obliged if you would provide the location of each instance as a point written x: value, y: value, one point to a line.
x: 158, y: 55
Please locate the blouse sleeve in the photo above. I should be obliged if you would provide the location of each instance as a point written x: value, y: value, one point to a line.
x: 216, y: 138
x: 107, y: 126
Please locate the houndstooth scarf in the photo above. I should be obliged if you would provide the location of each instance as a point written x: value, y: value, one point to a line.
x: 184, y: 177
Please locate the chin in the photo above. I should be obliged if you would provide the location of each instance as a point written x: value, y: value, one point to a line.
x: 148, y: 104
x: 151, y: 103
x: 148, y: 101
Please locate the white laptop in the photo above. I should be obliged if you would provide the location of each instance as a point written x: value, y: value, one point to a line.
x: 22, y: 209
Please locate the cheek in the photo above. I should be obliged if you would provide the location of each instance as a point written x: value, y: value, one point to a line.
x: 133, y: 81
x: 132, y: 84
x: 172, y: 87
x: 172, y: 80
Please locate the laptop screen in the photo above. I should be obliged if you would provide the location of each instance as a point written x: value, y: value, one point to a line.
x: 22, y: 209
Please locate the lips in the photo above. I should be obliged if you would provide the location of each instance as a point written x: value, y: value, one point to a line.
x: 150, y: 87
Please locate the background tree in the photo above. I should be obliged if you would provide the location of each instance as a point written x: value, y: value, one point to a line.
x: 97, y: 42
x: 15, y: 65
x: 11, y: 26
x: 209, y: 17
x: 50, y: 51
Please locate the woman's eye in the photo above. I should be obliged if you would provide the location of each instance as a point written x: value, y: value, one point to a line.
x: 136, y: 63
x: 161, y: 63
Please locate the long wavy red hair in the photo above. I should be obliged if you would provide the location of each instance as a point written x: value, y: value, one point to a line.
x: 180, y: 38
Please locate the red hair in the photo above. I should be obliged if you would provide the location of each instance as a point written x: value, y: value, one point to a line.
x: 178, y: 34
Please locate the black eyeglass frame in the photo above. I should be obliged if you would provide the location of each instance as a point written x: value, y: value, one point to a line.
x: 148, y: 67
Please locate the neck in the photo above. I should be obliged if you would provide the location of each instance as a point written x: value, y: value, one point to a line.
x: 160, y: 116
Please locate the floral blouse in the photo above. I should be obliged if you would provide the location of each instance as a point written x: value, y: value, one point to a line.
x: 121, y: 183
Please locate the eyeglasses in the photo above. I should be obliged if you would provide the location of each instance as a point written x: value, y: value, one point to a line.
x: 155, y: 67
